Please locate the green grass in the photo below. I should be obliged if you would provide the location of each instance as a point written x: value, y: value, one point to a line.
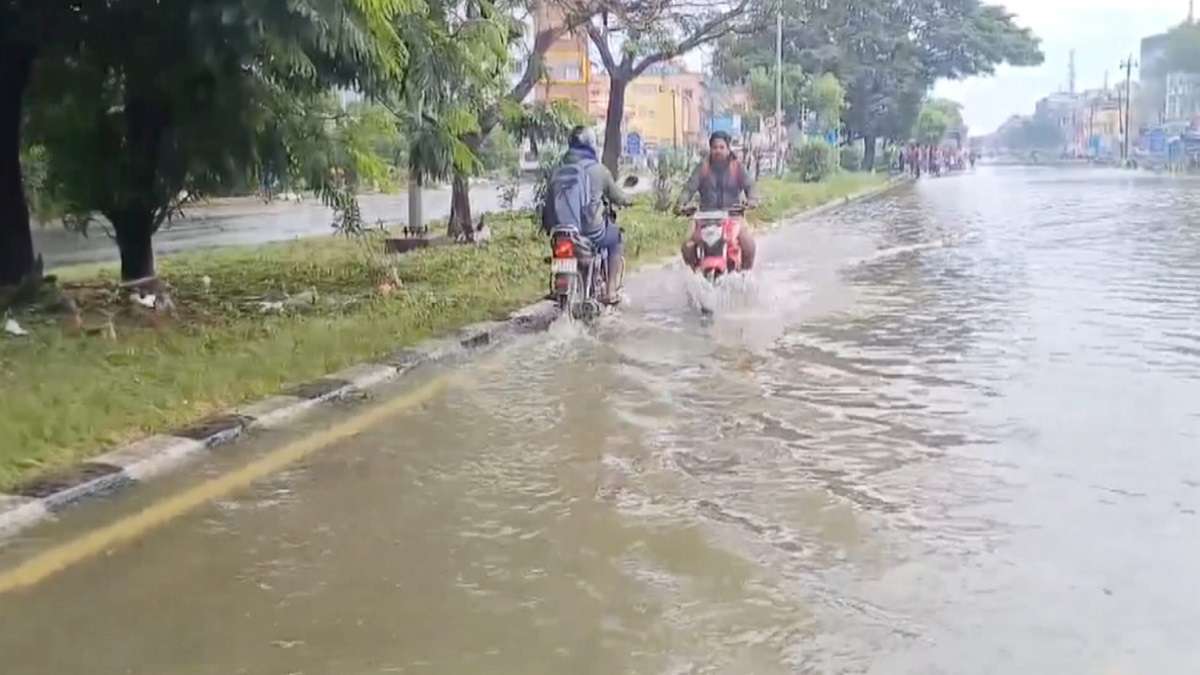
x: 69, y: 396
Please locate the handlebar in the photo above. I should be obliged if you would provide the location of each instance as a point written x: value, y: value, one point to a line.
x: 739, y: 210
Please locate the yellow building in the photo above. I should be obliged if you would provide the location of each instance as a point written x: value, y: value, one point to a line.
x: 568, y: 68
x: 666, y: 106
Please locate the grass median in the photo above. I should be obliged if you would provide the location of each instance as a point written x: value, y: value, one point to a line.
x: 250, y: 321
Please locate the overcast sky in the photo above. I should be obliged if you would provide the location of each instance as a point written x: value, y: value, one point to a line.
x: 1102, y: 32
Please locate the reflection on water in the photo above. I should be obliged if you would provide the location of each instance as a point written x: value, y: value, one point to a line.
x: 954, y: 430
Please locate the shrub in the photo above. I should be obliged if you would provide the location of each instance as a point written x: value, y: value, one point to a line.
x: 814, y: 161
x: 670, y: 172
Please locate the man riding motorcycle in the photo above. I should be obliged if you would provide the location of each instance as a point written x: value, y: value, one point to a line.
x: 721, y: 181
x: 605, y: 235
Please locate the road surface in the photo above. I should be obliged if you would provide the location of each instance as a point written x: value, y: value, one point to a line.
x: 245, y: 221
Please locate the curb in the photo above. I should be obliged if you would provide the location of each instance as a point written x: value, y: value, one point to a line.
x: 149, y: 458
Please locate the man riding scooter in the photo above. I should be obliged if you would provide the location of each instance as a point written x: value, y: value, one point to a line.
x: 721, y: 182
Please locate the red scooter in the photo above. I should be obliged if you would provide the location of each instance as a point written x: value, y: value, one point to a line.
x: 716, y: 236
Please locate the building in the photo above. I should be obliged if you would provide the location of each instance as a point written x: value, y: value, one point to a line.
x: 1069, y: 113
x: 1182, y: 97
x: 1105, y: 122
x: 568, y: 65
x: 667, y: 106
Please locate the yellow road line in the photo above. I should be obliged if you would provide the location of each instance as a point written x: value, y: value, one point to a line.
x: 59, y: 558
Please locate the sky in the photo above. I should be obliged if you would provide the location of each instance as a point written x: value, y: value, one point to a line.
x: 1102, y: 33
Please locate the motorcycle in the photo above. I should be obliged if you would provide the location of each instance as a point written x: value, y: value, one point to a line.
x: 716, y: 236
x: 579, y: 272
x: 579, y: 269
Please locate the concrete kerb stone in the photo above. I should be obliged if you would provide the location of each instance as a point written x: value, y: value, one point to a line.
x: 19, y: 513
x: 367, y: 376
x: 276, y: 411
x: 153, y: 456
x: 158, y: 455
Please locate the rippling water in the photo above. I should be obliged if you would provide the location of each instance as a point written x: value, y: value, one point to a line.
x: 954, y: 430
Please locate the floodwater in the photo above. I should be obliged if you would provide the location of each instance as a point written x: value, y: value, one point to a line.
x: 952, y: 430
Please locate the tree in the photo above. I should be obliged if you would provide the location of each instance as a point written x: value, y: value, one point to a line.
x: 762, y: 91
x: 495, y: 111
x: 938, y: 119
x: 459, y: 63
x: 931, y: 126
x: 826, y: 98
x: 887, y: 53
x: 632, y: 36
x: 165, y: 101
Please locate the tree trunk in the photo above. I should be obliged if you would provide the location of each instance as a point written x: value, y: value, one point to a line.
x: 416, y: 211
x: 17, y: 263
x: 460, y: 193
x: 135, y: 231
x: 612, y: 126
x: 133, y: 216
x: 460, y: 225
x: 868, y: 162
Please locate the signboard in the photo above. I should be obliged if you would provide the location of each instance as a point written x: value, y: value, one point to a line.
x: 730, y: 124
x: 633, y: 144
x: 1156, y: 141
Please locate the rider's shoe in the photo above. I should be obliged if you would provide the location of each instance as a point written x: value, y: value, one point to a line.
x: 613, y: 299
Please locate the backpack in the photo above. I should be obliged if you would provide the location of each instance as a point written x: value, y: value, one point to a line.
x: 570, y: 199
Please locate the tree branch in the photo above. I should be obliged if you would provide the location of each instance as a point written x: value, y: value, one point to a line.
x: 714, y: 29
x: 600, y: 39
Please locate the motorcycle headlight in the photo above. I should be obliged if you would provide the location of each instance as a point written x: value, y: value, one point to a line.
x: 711, y: 234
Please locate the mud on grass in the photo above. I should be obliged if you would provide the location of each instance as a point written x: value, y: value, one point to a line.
x: 250, y: 321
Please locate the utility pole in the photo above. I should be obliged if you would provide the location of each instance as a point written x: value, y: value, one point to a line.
x: 1128, y: 65
x: 675, y: 117
x: 779, y: 91
x: 1071, y: 74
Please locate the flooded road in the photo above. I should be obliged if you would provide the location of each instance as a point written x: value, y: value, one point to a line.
x: 952, y: 430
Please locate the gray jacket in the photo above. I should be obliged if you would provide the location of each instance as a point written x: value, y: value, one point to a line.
x: 603, y: 185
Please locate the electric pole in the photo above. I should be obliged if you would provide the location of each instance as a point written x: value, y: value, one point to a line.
x: 779, y: 91
x: 1128, y: 65
x: 1071, y: 74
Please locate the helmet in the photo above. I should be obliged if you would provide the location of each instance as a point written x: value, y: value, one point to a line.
x: 582, y: 136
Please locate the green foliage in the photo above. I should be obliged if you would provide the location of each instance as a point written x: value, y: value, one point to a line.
x: 885, y: 53
x: 549, y: 159
x: 814, y: 161
x: 762, y: 90
x: 458, y: 65
x: 35, y: 174
x: 170, y: 101
x: 850, y: 157
x: 940, y: 121
x: 500, y: 153
x: 540, y: 123
x: 826, y: 97
x: 931, y: 126
x: 670, y: 171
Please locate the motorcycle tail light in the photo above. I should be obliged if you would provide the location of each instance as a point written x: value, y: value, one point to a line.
x: 564, y: 248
